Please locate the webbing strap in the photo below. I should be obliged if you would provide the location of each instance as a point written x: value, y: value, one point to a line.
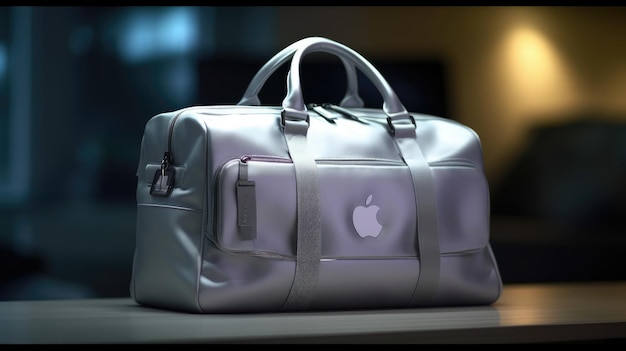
x: 427, y: 229
x: 309, y: 234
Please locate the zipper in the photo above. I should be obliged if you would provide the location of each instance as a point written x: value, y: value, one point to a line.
x: 337, y: 160
x: 344, y: 112
x: 454, y: 163
x: 167, y: 155
x: 158, y: 187
x: 322, y: 112
x: 163, y: 181
x: 267, y: 158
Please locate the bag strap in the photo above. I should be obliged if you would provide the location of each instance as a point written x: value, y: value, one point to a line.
x: 308, y: 225
x: 402, y: 126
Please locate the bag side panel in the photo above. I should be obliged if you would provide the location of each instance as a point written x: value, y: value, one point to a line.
x: 169, y: 229
x: 469, y: 279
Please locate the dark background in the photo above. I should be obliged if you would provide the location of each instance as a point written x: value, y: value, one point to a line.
x: 78, y: 84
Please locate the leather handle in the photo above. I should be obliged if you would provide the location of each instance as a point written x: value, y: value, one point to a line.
x: 293, y: 104
x: 251, y: 95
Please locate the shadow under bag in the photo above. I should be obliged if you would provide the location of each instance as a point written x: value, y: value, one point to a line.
x: 247, y: 208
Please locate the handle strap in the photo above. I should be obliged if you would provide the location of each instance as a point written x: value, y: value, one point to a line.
x: 251, y: 95
x: 402, y: 126
x: 293, y: 104
x: 427, y: 227
x: 308, y: 225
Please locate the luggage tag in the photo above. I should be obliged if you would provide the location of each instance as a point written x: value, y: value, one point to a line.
x: 246, y: 202
x: 163, y: 182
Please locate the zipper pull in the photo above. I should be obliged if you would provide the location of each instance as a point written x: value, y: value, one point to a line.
x: 322, y: 112
x: 165, y: 163
x: 163, y: 181
x: 344, y: 112
x: 246, y: 202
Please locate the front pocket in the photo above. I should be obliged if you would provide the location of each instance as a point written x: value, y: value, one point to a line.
x: 351, y: 190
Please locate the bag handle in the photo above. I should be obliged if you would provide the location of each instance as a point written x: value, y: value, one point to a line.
x: 293, y: 104
x: 251, y: 95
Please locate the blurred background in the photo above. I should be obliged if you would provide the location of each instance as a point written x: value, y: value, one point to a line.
x: 544, y: 87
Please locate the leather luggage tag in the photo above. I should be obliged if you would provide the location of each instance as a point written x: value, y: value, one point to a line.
x: 163, y: 182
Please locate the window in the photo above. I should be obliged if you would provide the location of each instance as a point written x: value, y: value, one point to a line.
x: 15, y: 80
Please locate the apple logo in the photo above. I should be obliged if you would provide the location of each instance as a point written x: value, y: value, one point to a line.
x: 365, y: 221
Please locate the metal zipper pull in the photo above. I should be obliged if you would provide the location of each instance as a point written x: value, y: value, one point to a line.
x: 344, y: 112
x: 330, y: 117
x: 163, y: 181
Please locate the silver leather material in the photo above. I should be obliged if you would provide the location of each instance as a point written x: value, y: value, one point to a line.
x: 191, y: 255
x: 251, y: 95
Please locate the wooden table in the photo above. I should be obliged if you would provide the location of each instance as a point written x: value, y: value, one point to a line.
x: 526, y: 313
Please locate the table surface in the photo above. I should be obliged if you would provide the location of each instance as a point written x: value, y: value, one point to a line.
x: 525, y: 313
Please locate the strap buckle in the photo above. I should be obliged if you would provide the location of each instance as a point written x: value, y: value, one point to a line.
x: 399, y: 118
x: 284, y: 117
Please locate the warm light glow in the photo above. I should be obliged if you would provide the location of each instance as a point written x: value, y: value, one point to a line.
x: 525, y: 313
x: 530, y: 50
x: 533, y: 72
x: 613, y: 96
x: 532, y: 85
